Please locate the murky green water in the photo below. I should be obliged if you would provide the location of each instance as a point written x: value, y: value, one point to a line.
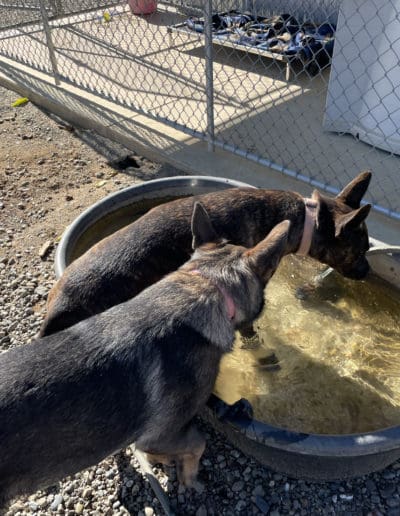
x: 111, y: 222
x: 338, y: 352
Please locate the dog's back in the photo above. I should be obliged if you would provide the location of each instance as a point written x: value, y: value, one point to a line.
x: 123, y: 264
x: 70, y: 399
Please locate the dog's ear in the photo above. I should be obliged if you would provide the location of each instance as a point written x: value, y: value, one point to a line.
x: 355, y: 190
x: 351, y: 220
x: 202, y: 229
x: 264, y: 258
x: 324, y: 218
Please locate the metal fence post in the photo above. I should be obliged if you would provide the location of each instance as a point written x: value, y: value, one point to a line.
x: 49, y: 41
x: 208, y: 46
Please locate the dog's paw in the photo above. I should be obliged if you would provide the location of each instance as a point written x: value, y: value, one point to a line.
x: 268, y: 363
x: 252, y: 342
x: 305, y: 291
x: 153, y: 460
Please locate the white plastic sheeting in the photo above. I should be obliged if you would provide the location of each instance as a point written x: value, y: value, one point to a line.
x: 364, y: 87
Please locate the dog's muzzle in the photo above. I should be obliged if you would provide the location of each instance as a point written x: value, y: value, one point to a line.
x: 358, y: 271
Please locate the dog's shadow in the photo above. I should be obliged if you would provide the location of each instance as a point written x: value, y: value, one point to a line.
x: 131, y: 483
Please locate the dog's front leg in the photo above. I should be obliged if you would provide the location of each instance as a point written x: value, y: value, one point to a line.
x: 251, y: 340
x: 249, y: 336
x: 153, y: 459
x: 185, y: 449
x: 187, y: 460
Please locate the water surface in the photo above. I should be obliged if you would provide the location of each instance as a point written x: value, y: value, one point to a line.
x: 338, y: 350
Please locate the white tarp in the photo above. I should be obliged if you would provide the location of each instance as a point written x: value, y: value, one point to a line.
x: 364, y: 87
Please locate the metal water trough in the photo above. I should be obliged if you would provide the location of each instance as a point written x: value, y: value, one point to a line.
x: 300, y: 455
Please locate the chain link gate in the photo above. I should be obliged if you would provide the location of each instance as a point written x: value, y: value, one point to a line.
x: 309, y: 88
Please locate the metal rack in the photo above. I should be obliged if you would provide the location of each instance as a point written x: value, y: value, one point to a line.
x: 224, y: 40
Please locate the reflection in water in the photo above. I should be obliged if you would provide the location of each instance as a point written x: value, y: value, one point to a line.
x: 113, y: 221
x: 338, y: 348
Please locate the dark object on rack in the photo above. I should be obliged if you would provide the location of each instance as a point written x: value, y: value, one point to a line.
x: 221, y: 22
x: 282, y: 34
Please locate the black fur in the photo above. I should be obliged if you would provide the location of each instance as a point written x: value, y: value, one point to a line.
x: 123, y: 264
x: 138, y: 372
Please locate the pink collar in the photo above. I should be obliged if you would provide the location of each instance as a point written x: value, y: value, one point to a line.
x: 229, y: 303
x: 310, y: 218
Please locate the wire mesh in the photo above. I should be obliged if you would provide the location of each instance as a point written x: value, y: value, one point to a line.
x: 308, y: 87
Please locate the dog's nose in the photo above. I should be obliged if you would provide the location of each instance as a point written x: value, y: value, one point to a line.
x: 359, y: 271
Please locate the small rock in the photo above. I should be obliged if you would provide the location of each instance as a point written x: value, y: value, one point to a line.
x: 87, y: 493
x: 18, y: 506
x: 58, y: 500
x: 199, y: 487
x: 41, y: 501
x: 237, y: 486
x: 258, y: 491
x: 79, y: 508
x: 41, y: 291
x: 393, y: 502
x: 110, y: 473
x: 262, y: 505
x: 201, y: 511
x: 346, y: 498
x: 370, y: 485
x: 33, y: 506
x: 148, y: 511
x: 240, y: 506
x: 45, y: 249
x: 387, y: 491
x: 389, y: 475
x: 275, y: 513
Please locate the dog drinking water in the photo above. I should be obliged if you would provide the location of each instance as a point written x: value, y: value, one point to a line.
x: 331, y: 230
x: 138, y: 372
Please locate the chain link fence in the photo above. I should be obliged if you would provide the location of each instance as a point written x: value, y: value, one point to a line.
x: 309, y: 88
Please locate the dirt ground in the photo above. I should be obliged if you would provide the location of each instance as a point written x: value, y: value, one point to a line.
x: 50, y: 171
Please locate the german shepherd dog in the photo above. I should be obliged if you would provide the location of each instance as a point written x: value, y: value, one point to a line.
x: 121, y: 265
x: 138, y: 372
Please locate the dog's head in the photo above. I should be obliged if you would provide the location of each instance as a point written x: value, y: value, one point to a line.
x: 240, y: 271
x: 341, y: 236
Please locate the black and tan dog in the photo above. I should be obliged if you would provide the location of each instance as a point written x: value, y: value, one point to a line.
x: 331, y: 230
x: 138, y: 372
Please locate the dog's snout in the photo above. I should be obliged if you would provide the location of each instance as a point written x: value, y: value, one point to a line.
x: 359, y: 270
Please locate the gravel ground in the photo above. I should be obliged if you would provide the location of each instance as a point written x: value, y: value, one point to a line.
x: 49, y: 172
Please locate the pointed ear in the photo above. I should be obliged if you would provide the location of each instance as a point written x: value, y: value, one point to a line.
x: 324, y: 217
x: 266, y: 255
x: 351, y: 220
x: 202, y: 229
x: 354, y: 191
